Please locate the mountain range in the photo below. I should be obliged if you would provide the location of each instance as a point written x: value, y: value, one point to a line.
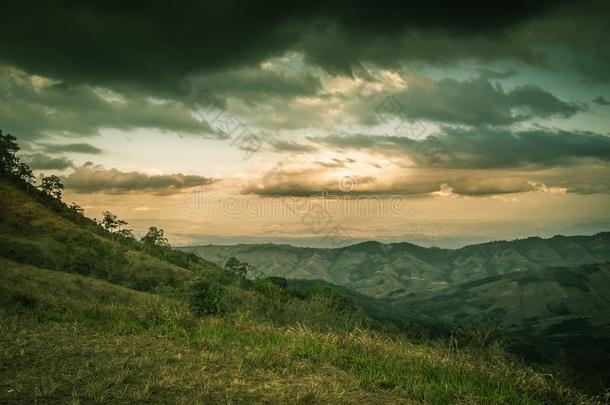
x: 399, y: 269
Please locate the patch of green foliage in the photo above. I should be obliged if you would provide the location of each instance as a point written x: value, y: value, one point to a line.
x: 206, y: 297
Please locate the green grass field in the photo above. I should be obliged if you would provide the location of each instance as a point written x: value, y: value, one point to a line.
x: 69, y: 338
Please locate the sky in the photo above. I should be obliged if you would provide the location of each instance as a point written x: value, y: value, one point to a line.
x: 318, y: 123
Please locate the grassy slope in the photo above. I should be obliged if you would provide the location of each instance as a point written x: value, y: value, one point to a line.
x: 32, y: 233
x: 68, y: 337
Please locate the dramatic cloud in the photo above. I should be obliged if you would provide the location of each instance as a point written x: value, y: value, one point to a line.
x: 39, y: 161
x: 72, y: 147
x: 375, y: 97
x: 473, y: 101
x: 112, y: 44
x: 601, y: 100
x: 321, y: 182
x: 483, y: 161
x: 485, y: 147
x: 283, y: 78
x: 469, y: 102
x: 308, y: 182
x: 587, y: 178
x: 39, y: 107
x: 355, y: 180
x: 91, y: 178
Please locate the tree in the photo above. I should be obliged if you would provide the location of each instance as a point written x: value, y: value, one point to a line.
x: 9, y: 162
x: 237, y: 267
x: 24, y: 173
x: 76, y: 209
x: 52, y: 186
x: 111, y: 223
x: 126, y: 233
x: 8, y: 148
x: 154, y: 237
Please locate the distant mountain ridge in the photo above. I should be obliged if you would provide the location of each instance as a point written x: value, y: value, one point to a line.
x: 399, y: 269
x: 547, y: 302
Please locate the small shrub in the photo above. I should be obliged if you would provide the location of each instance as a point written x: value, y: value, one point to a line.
x: 206, y: 297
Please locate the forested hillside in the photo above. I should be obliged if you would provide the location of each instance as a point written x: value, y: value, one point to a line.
x: 393, y: 270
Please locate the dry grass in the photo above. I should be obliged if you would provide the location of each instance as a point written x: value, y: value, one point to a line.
x: 56, y: 362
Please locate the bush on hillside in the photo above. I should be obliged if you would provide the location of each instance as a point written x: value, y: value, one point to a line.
x: 206, y: 297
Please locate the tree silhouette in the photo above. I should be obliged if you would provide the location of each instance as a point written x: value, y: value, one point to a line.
x: 10, y: 165
x: 52, y: 186
x: 9, y: 162
x: 126, y: 233
x: 155, y: 237
x: 24, y: 173
x: 76, y: 209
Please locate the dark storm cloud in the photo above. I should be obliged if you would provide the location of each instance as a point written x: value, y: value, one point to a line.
x: 596, y: 65
x: 39, y: 161
x: 487, y: 148
x: 91, y: 178
x: 601, y: 100
x: 255, y: 84
x: 503, y: 148
x: 36, y: 110
x: 473, y: 102
x: 574, y: 29
x: 72, y: 147
x: 151, y: 44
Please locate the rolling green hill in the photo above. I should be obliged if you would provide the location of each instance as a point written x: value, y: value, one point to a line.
x: 500, y: 283
x: 537, y: 300
x: 394, y: 270
x: 559, y: 312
